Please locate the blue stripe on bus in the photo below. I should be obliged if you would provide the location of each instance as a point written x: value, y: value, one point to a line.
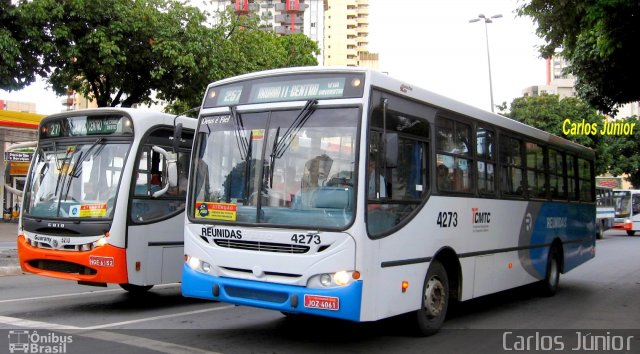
x: 270, y: 295
x: 577, y: 236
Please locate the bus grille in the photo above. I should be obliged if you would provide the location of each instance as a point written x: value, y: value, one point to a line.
x: 61, y: 266
x: 255, y: 294
x: 262, y: 246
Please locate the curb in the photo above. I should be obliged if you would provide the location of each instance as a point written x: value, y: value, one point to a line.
x: 9, y: 263
x: 10, y: 270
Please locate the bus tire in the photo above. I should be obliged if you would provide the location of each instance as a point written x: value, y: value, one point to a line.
x: 630, y: 232
x: 600, y: 230
x: 549, y: 285
x: 434, y: 301
x: 136, y: 289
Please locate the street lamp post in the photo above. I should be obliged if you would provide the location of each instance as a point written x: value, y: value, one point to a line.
x: 486, y: 34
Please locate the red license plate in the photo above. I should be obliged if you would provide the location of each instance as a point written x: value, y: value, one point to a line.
x: 99, y: 261
x: 322, y: 302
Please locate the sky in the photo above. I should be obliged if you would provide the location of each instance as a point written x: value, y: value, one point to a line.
x: 432, y: 45
x: 429, y: 44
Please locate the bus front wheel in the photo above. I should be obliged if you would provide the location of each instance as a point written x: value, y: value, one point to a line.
x: 136, y: 289
x: 435, y: 300
x: 631, y: 233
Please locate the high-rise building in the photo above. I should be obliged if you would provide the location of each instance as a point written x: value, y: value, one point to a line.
x: 346, y: 34
x: 283, y: 16
x: 563, y: 84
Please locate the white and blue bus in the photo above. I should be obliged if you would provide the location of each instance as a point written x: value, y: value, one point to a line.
x: 605, y: 211
x: 345, y: 193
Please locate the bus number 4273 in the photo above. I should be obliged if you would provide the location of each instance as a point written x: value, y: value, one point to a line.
x: 447, y: 219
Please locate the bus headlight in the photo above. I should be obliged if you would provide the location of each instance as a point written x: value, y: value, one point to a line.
x: 206, y: 267
x: 325, y: 280
x: 193, y: 262
x: 332, y: 280
x: 101, y: 242
x: 342, y: 278
x: 197, y: 264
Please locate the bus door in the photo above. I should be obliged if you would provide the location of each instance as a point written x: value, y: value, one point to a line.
x: 155, y: 235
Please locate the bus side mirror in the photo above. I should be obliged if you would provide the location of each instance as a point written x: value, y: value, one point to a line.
x: 177, y: 136
x: 391, y: 150
x: 172, y: 173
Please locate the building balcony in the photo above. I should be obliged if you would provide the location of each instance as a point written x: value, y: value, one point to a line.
x: 287, y: 19
x: 285, y: 30
x: 283, y: 8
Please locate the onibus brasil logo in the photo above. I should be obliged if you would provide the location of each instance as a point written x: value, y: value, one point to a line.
x: 24, y: 341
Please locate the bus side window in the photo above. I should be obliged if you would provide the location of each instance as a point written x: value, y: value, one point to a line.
x: 395, y: 189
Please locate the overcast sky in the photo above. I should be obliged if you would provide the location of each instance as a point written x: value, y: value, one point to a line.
x: 429, y: 44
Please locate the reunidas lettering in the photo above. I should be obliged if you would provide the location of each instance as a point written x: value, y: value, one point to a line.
x: 221, y: 233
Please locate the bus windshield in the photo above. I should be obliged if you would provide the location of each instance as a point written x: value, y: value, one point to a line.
x: 78, y: 180
x: 622, y: 203
x: 287, y: 167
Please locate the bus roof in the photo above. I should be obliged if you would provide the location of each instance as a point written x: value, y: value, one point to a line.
x: 383, y: 81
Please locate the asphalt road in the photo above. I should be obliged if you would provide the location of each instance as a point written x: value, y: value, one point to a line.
x: 597, y: 300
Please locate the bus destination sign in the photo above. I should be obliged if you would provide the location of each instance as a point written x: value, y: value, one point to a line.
x: 286, y: 88
x: 297, y: 90
x: 86, y: 125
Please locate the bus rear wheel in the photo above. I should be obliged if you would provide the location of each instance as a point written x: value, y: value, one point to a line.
x: 630, y: 232
x: 549, y: 286
x: 600, y: 230
x: 136, y: 289
x: 435, y: 301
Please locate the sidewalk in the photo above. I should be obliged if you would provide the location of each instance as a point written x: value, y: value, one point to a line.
x: 8, y: 253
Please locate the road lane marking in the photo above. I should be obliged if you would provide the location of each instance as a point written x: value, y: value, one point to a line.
x: 15, y: 322
x: 160, y: 317
x: 129, y: 340
x: 81, y: 293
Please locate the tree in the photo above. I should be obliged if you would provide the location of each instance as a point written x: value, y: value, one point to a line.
x: 122, y: 52
x: 549, y: 113
x: 242, y: 47
x: 117, y: 51
x: 598, y: 38
x: 18, y: 54
x: 623, y: 151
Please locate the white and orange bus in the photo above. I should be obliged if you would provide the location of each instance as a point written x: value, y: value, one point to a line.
x: 104, y: 198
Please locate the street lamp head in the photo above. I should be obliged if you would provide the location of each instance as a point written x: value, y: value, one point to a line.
x: 481, y: 16
x: 474, y: 20
x: 496, y: 16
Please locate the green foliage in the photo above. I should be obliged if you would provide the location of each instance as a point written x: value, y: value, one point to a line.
x: 18, y: 53
x: 599, y: 40
x: 119, y: 52
x: 623, y: 151
x: 549, y: 112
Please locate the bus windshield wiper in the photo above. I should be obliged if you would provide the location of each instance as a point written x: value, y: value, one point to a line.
x: 280, y: 147
x: 77, y: 169
x: 243, y: 144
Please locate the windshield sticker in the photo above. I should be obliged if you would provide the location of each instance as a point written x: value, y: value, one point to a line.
x: 216, y: 211
x: 94, y: 210
x: 257, y: 134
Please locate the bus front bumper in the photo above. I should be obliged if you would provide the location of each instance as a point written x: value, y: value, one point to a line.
x: 102, y: 265
x: 343, y: 302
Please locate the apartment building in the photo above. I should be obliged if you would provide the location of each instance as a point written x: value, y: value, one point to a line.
x: 283, y: 16
x: 346, y: 34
